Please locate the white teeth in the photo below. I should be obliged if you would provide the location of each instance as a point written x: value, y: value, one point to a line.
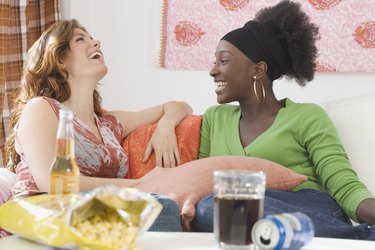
x: 96, y: 55
x: 220, y: 84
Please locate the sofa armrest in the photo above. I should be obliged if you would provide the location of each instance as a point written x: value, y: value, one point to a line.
x: 355, y: 123
x: 7, y: 181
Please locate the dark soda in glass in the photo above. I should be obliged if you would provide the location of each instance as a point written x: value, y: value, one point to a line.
x: 234, y: 216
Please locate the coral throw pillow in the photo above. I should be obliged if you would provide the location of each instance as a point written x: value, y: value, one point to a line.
x: 190, y: 182
x: 187, y: 133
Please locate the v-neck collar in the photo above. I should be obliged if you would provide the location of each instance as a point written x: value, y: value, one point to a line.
x: 232, y: 134
x: 58, y: 105
x: 99, y: 139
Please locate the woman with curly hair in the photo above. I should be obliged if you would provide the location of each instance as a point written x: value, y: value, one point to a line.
x: 63, y: 68
x: 280, y: 41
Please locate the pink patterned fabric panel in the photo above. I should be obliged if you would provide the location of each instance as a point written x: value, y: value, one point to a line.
x: 98, y: 158
x: 192, y: 29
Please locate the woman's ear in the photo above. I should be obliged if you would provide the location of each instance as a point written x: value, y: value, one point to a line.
x: 261, y: 69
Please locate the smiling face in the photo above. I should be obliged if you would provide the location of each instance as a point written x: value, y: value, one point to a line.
x: 232, y: 73
x: 84, y: 58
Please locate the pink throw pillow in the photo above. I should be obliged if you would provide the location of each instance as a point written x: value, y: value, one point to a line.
x: 190, y: 182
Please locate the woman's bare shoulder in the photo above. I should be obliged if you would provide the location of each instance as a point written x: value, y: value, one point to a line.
x: 37, y: 104
x: 37, y: 109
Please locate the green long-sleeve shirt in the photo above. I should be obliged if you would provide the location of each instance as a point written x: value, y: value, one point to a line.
x: 301, y: 138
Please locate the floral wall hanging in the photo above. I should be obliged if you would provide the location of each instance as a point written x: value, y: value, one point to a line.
x: 192, y: 29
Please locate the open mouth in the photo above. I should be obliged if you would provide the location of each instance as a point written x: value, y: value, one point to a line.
x: 96, y: 55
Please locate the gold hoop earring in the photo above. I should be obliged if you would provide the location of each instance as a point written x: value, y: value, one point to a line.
x: 256, y: 92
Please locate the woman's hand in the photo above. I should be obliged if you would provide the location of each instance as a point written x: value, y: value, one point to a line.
x: 164, y: 143
x: 366, y: 211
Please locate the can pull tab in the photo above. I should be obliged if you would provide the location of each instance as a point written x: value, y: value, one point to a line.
x: 265, y: 236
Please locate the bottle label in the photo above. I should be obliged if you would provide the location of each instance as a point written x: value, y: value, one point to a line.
x: 61, y: 184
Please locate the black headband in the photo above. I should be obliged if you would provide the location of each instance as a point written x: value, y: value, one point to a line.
x: 260, y: 43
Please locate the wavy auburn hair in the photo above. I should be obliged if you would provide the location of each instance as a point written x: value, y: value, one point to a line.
x: 44, y: 75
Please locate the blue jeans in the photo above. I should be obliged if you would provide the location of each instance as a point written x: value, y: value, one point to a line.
x: 169, y: 219
x: 328, y: 218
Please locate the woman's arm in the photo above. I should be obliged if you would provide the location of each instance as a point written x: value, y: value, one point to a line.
x: 163, y: 141
x: 172, y: 112
x: 331, y: 163
x: 88, y: 183
x: 37, y: 135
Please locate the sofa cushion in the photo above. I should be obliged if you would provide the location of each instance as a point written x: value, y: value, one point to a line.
x: 187, y: 133
x: 355, y: 122
x: 7, y: 181
x: 190, y: 182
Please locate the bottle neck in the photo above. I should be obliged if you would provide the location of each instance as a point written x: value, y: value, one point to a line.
x: 65, y: 135
x: 65, y: 147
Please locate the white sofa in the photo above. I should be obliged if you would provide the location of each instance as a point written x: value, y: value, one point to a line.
x: 7, y: 180
x: 354, y: 121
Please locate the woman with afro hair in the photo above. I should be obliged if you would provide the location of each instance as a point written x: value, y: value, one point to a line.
x: 280, y: 42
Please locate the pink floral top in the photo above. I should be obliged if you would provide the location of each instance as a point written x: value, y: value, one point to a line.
x: 97, y: 158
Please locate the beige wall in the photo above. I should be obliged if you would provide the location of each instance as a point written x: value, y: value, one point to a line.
x: 129, y: 31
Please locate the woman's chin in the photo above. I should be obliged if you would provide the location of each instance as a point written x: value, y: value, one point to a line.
x: 102, y: 72
x: 220, y: 100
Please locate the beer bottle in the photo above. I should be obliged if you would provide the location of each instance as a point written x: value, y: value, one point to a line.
x: 64, y: 175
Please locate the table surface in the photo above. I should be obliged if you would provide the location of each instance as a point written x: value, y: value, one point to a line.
x: 196, y: 241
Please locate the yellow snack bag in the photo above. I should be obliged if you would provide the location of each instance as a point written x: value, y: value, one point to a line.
x: 112, y: 218
x: 107, y: 218
x: 40, y: 218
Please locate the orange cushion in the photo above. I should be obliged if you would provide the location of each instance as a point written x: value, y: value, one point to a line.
x: 190, y: 182
x: 187, y: 133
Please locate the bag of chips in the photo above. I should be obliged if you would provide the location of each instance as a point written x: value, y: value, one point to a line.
x: 106, y: 218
